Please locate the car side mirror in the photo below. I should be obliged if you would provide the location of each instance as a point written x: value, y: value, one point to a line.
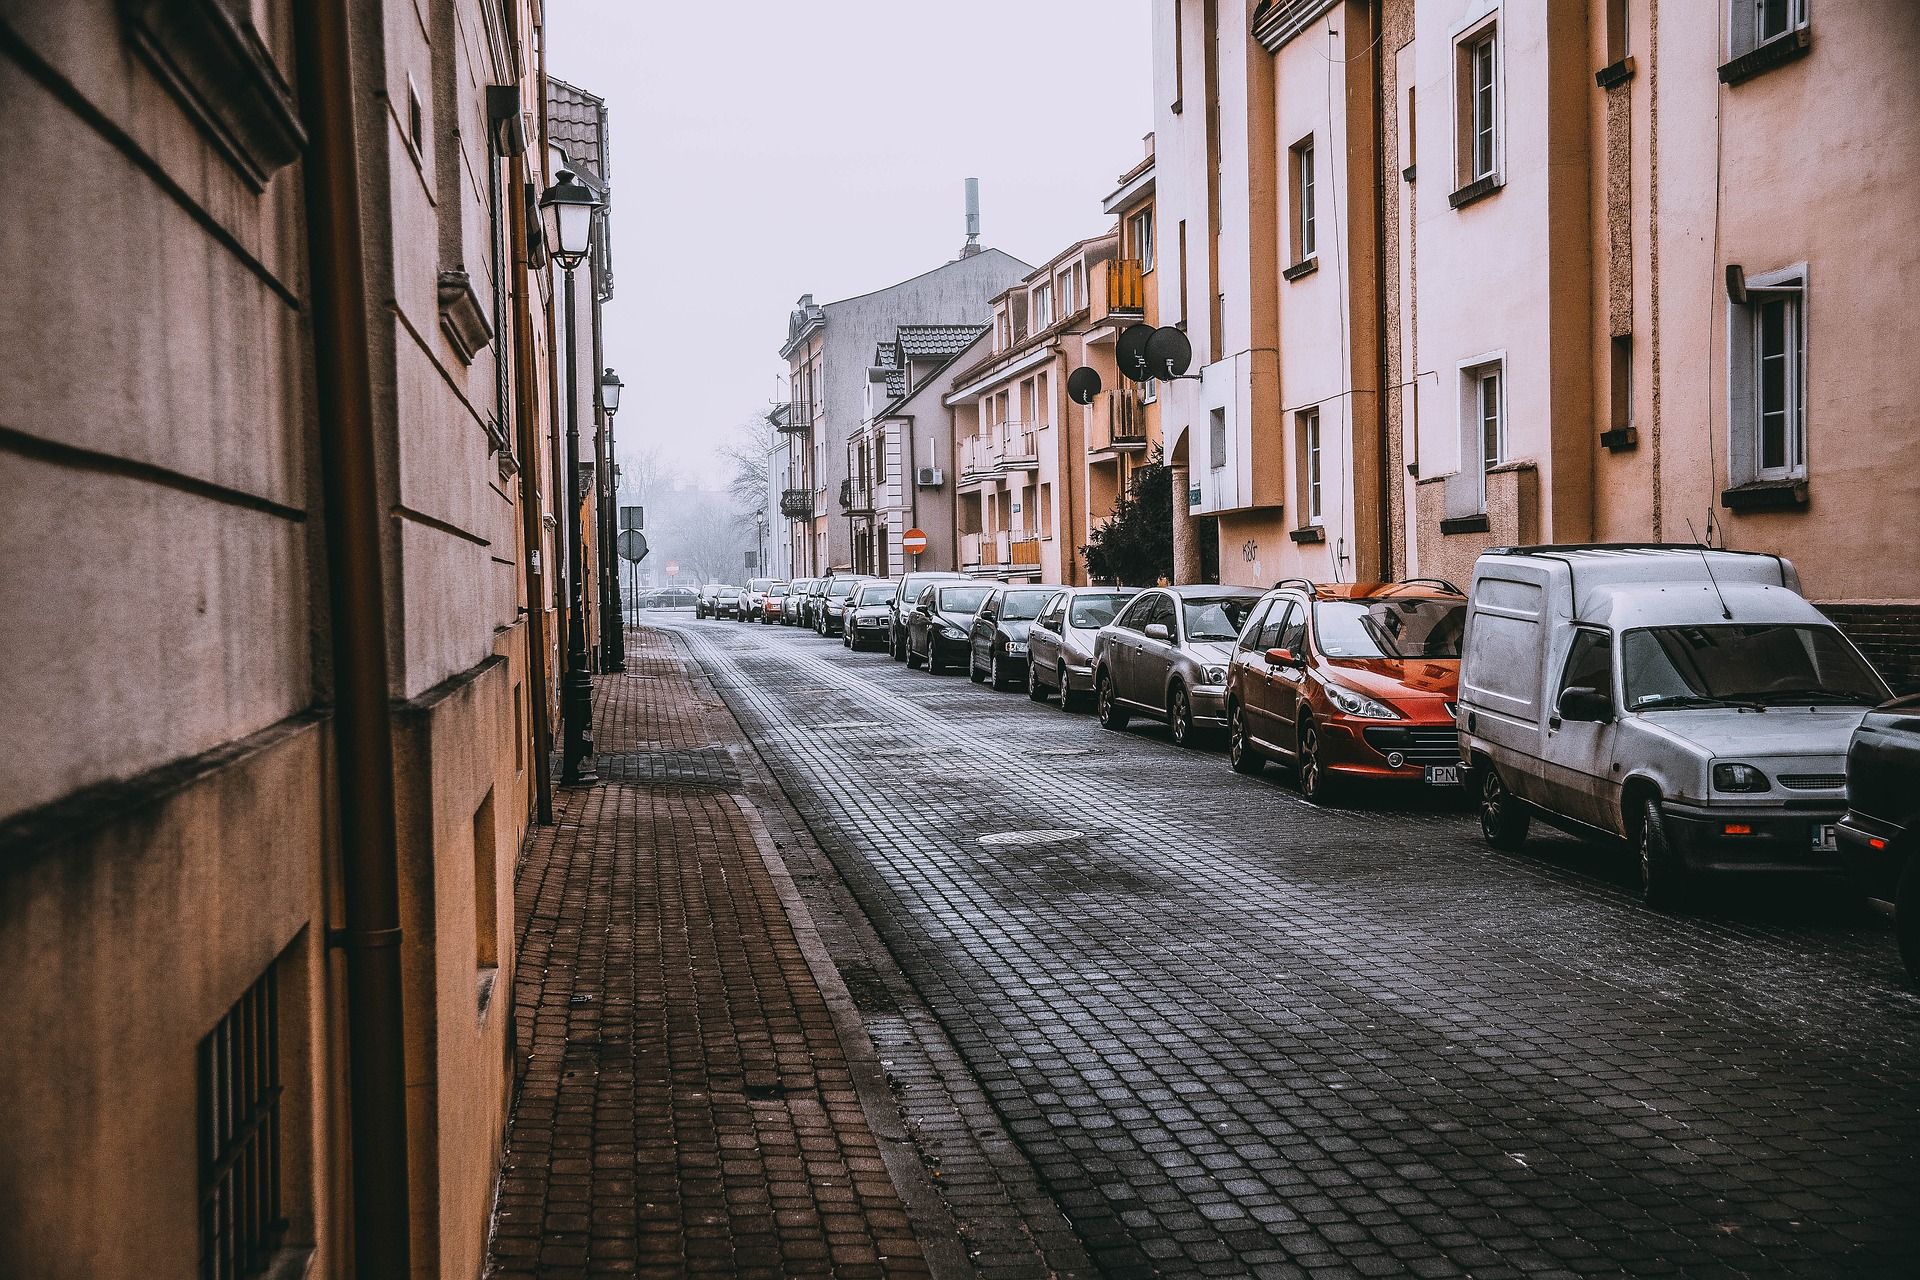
x: 1158, y: 631
x: 1583, y: 704
x: 1284, y: 658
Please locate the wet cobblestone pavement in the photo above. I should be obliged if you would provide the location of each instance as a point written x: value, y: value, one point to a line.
x: 1236, y: 1035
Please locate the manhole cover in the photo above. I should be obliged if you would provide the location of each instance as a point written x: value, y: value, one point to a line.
x: 852, y: 724
x: 1044, y: 835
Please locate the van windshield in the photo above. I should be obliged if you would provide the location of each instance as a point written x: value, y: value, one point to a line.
x: 1399, y: 628
x: 1761, y: 664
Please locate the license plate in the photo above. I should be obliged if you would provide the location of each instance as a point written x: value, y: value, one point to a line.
x: 1823, y: 838
x: 1014, y: 646
x: 1443, y: 775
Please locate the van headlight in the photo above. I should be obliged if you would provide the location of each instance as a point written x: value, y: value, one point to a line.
x: 1358, y: 704
x: 1739, y: 777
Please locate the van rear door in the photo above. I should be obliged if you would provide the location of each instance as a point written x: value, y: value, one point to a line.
x: 1503, y: 662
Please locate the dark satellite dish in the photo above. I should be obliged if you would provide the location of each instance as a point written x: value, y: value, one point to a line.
x: 1083, y: 384
x: 1168, y: 352
x: 1130, y: 351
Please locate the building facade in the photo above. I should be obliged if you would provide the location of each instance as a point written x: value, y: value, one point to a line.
x: 290, y: 680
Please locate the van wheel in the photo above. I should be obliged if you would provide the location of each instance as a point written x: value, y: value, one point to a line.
x: 1906, y: 916
x: 1663, y: 876
x: 1316, y: 784
x: 1503, y: 817
x: 1241, y: 754
x: 1112, y: 714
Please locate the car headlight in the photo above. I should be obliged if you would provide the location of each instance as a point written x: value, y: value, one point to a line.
x: 1358, y: 704
x: 1215, y: 675
x: 1016, y: 646
x: 953, y: 633
x: 1739, y: 777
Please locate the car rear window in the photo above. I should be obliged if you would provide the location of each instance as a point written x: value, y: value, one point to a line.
x: 1024, y: 606
x: 1403, y: 627
x: 961, y: 599
x: 1217, y: 619
x: 1090, y: 613
x: 877, y: 593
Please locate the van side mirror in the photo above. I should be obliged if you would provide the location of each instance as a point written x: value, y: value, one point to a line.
x: 1583, y: 704
x: 1158, y: 631
x: 1284, y: 658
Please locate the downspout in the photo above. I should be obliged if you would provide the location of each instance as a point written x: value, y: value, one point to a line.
x: 363, y: 731
x: 526, y: 381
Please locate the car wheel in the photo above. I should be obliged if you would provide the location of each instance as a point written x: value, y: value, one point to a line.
x: 913, y: 659
x: 1316, y: 784
x: 997, y: 673
x: 1112, y: 714
x: 1503, y: 816
x: 974, y: 673
x: 1241, y: 754
x: 1663, y: 876
x: 1180, y: 716
x: 1035, y: 690
x: 1906, y: 916
x: 1069, y: 700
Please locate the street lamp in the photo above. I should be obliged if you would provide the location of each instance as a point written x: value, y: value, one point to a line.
x: 566, y: 215
x: 613, y: 618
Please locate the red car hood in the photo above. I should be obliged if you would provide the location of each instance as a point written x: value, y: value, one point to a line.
x: 1392, y: 679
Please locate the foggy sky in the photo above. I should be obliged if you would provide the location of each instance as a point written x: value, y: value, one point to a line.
x: 766, y: 149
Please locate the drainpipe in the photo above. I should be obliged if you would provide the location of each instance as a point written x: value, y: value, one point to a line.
x: 363, y: 731
x: 526, y: 381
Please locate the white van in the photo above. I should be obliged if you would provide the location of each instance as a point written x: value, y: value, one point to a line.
x: 1688, y: 701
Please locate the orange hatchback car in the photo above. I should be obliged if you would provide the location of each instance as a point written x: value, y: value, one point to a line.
x: 1349, y: 682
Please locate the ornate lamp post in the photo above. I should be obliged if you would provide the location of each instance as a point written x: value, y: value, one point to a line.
x: 613, y: 629
x: 566, y: 215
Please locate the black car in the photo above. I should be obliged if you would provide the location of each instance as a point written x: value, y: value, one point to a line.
x: 831, y: 612
x: 1877, y: 834
x: 911, y: 587
x: 938, y: 623
x: 869, y: 610
x: 997, y: 648
x: 731, y: 602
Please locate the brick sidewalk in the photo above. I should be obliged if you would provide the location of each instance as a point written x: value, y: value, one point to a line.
x: 686, y: 1108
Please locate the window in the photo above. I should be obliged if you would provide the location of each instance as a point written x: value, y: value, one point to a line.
x: 1135, y: 618
x: 1046, y: 510
x: 1493, y: 429
x: 416, y: 122
x: 1482, y: 61
x: 1477, y: 83
x: 1179, y: 56
x: 1293, y: 637
x: 1183, y: 271
x: 1217, y: 438
x: 1042, y: 306
x: 1250, y: 637
x: 241, y: 1223
x: 486, y: 896
x: 1617, y: 47
x: 1620, y: 433
x: 1777, y: 357
x: 1767, y: 434
x: 1149, y: 391
x: 1304, y: 239
x: 1311, y: 474
x: 1754, y: 22
x: 1589, y: 663
x: 1140, y: 238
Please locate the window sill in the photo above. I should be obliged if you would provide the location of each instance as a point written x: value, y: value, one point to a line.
x: 1478, y: 189
x: 1765, y: 495
x: 1304, y: 267
x: 1776, y: 52
x: 1465, y: 524
x: 1614, y: 73
x: 1406, y: 174
x: 1621, y: 440
x: 1312, y: 533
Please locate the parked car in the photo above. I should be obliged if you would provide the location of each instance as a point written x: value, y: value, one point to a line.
x: 810, y: 606
x: 1349, y: 682
x: 755, y: 599
x: 912, y: 586
x: 869, y: 610
x: 1060, y: 642
x: 997, y: 640
x: 705, y: 604
x: 938, y: 623
x: 1688, y: 701
x: 796, y: 597
x: 831, y: 613
x: 730, y: 603
x: 1878, y: 833
x: 667, y: 598
x: 772, y: 600
x: 1165, y: 656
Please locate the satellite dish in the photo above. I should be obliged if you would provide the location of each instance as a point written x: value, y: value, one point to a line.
x: 1130, y: 351
x: 1083, y: 384
x: 1168, y: 352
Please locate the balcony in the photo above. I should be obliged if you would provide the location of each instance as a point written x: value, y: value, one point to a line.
x: 1126, y: 291
x: 1117, y: 422
x: 1019, y: 450
x: 799, y: 419
x: 856, y: 498
x: 980, y: 552
x: 797, y: 504
x: 1023, y: 551
x: 979, y: 459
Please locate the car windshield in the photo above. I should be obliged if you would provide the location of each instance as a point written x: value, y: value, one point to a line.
x: 877, y: 593
x: 1743, y: 665
x: 1217, y: 619
x: 961, y: 599
x: 1090, y: 613
x: 842, y: 587
x: 728, y: 593
x: 1023, y: 606
x: 1399, y: 628
x: 778, y: 589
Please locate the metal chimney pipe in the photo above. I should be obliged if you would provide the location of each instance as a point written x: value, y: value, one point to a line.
x: 973, y: 210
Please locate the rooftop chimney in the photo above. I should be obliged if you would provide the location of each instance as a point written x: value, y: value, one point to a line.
x: 972, y: 246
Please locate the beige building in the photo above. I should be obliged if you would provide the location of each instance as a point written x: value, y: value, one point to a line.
x: 1121, y: 427
x: 278, y: 457
x: 1462, y: 273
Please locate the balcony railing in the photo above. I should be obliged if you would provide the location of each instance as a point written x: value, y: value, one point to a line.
x: 979, y: 459
x: 797, y: 504
x: 799, y: 419
x: 856, y: 498
x: 1119, y: 421
x: 1019, y: 451
x: 1023, y: 551
x: 1126, y: 291
x: 980, y: 551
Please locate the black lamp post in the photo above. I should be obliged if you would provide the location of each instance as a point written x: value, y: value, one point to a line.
x: 566, y: 214
x: 613, y: 624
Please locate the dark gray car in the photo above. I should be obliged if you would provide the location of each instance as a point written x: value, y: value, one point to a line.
x: 910, y: 588
x: 1166, y: 657
x: 937, y: 625
x: 997, y: 648
x: 1060, y: 642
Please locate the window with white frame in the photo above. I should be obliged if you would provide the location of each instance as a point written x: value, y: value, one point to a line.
x: 1478, y: 76
x: 1217, y: 438
x: 1312, y: 473
x: 1751, y: 23
x: 1304, y: 239
x: 1488, y: 393
x: 1767, y: 435
x: 1042, y: 306
x: 1140, y: 238
x: 1149, y: 391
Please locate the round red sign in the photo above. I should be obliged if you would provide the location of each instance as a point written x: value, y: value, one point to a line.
x: 913, y: 542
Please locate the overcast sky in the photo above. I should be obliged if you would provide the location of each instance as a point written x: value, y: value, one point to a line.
x: 765, y: 149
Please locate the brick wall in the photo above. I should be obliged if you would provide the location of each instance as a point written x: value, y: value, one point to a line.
x: 1889, y: 634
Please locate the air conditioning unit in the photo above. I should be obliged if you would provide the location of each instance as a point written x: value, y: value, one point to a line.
x: 929, y: 478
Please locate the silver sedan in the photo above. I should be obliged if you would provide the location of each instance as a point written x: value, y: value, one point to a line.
x: 1166, y: 657
x: 1060, y: 643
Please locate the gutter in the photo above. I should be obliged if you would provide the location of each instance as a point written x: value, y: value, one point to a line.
x: 376, y: 1044
x: 526, y: 382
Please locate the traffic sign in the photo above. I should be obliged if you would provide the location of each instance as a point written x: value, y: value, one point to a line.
x: 633, y: 546
x: 673, y: 568
x: 913, y: 542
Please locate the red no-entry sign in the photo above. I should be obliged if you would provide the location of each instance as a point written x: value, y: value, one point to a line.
x: 913, y: 542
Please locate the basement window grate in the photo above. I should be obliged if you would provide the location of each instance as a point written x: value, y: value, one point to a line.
x: 239, y: 1122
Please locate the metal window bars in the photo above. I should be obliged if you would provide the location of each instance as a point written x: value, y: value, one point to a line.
x: 241, y: 1224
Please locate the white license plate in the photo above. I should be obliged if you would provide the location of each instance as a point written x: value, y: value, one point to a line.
x: 1823, y: 838
x: 1443, y: 775
x: 1015, y: 646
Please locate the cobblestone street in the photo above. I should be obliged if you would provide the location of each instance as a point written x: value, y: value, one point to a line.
x: 1234, y: 1034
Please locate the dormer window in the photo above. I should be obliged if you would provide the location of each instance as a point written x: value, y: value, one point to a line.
x: 1042, y: 305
